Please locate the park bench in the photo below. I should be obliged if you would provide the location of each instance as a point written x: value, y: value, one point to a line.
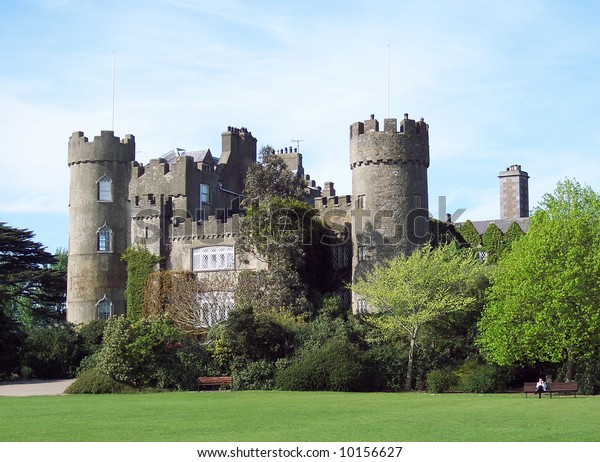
x: 555, y: 387
x: 224, y: 381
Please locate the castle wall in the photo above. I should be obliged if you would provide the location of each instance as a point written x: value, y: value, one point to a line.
x: 93, y: 274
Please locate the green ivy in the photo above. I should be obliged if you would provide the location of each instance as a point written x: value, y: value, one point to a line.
x: 140, y: 263
x: 493, y: 242
x: 512, y: 235
x: 470, y: 234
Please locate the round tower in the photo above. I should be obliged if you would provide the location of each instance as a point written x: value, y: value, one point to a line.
x: 389, y: 191
x: 98, y: 225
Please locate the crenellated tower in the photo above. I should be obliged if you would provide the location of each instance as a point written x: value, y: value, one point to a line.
x: 98, y: 225
x: 389, y: 190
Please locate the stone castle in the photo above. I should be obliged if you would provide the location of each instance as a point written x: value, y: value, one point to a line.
x: 185, y: 207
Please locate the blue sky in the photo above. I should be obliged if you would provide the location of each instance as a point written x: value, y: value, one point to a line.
x: 500, y: 83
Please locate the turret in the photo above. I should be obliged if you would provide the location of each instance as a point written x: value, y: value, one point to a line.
x: 98, y: 225
x: 389, y: 189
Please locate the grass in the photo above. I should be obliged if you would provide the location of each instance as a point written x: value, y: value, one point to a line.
x: 296, y: 416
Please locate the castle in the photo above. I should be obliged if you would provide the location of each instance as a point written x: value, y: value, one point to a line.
x: 185, y: 207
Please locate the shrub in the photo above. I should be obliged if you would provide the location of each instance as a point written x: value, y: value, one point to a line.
x: 477, y: 378
x: 93, y: 381
x: 195, y: 360
x: 91, y: 334
x: 441, y: 380
x: 338, y: 366
x: 113, y: 358
x: 53, y: 352
x: 256, y: 375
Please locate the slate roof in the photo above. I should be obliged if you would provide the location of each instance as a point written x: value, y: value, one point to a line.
x: 202, y: 155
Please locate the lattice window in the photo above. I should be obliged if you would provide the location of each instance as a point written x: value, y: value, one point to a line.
x: 104, y: 239
x: 345, y: 299
x: 361, y: 306
x: 105, y: 193
x: 214, y: 307
x: 218, y: 257
x: 104, y: 308
x: 340, y: 256
x: 362, y: 252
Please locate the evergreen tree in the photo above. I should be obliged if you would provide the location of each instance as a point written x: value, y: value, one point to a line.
x: 32, y: 281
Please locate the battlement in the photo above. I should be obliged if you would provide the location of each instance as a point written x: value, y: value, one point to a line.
x: 342, y: 202
x: 105, y: 148
x: 211, y: 228
x: 390, y: 126
x: 398, y: 143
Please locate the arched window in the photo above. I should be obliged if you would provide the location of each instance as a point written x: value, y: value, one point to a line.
x: 103, y: 308
x: 104, y: 239
x: 105, y: 191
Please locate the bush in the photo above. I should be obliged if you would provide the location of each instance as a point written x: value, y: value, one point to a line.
x: 338, y: 366
x: 195, y: 360
x: 91, y: 334
x: 477, y: 378
x: 257, y: 375
x: 93, y: 381
x: 441, y: 380
x: 53, y: 352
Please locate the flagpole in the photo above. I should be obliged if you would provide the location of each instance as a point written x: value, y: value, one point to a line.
x: 113, y: 91
x: 388, y: 81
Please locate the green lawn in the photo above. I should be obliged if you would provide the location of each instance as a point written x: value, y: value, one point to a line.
x: 295, y: 416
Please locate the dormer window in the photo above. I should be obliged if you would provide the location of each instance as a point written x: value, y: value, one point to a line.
x: 105, y: 189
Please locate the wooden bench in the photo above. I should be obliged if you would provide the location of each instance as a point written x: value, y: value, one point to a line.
x: 214, y: 382
x: 555, y: 387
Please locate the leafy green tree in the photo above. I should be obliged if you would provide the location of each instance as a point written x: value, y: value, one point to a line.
x: 269, y: 179
x: 408, y: 293
x: 543, y: 302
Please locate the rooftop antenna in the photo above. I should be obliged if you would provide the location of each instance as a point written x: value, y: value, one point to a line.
x: 388, y: 81
x: 113, y: 91
x: 297, y: 144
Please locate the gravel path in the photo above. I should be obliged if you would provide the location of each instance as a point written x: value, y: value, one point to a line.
x: 34, y: 387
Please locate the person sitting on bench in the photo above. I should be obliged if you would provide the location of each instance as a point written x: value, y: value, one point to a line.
x: 540, y: 387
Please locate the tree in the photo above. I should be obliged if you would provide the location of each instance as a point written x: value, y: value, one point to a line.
x: 269, y: 179
x: 32, y: 283
x: 277, y: 228
x: 194, y: 304
x: 543, y: 302
x: 407, y: 293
